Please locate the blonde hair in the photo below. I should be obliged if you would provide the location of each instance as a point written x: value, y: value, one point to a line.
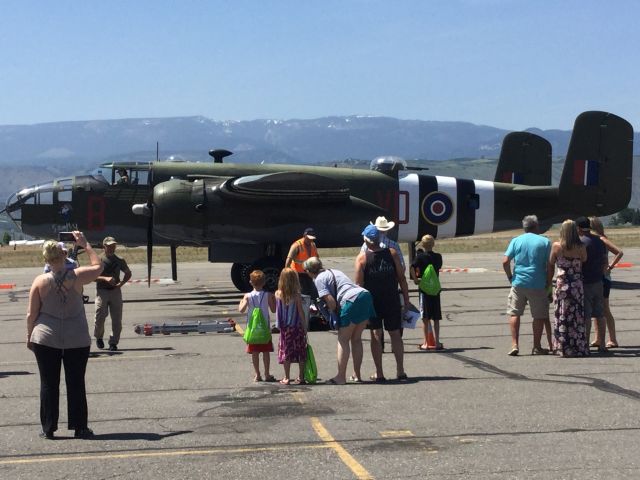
x: 427, y: 243
x: 596, y: 226
x: 288, y: 285
x: 51, y: 251
x: 569, y: 236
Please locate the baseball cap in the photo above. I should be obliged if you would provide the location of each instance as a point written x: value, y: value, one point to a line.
x: 583, y: 222
x: 109, y: 241
x: 371, y: 233
x: 310, y: 232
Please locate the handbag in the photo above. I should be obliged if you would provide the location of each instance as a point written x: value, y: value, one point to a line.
x: 310, y: 368
x: 429, y: 282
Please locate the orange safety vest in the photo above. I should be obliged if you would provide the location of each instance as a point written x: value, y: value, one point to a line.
x: 298, y: 262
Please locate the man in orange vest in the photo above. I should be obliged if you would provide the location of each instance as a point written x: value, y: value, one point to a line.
x: 301, y: 250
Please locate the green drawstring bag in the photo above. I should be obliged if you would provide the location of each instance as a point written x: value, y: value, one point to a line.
x: 430, y: 283
x: 257, y: 332
x: 310, y: 368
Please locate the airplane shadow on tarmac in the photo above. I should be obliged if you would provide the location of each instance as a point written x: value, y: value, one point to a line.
x: 10, y: 374
x: 120, y: 351
x: 622, y: 351
x: 409, y: 351
x: 616, y: 284
x: 151, y: 437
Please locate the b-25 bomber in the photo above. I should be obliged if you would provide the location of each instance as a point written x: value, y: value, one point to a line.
x: 248, y: 215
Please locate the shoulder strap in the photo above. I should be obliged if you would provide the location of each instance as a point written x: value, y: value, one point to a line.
x: 335, y: 285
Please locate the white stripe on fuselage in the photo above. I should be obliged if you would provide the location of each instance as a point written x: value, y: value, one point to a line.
x: 408, y: 207
x: 485, y: 214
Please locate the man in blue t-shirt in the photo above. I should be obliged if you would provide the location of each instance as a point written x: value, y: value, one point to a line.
x: 530, y: 254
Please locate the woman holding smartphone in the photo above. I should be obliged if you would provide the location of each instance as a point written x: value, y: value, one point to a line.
x: 57, y: 333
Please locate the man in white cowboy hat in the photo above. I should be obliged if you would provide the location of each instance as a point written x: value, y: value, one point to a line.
x: 383, y: 225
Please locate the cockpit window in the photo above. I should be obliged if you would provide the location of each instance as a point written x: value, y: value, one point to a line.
x: 66, y: 188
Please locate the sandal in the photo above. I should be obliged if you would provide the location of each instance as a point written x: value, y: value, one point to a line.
x: 539, y: 351
x: 376, y: 379
x: 355, y: 379
x: 270, y: 378
x: 257, y: 378
x: 402, y: 376
x: 594, y: 344
x: 439, y: 346
x: 612, y: 345
x: 299, y: 381
x: 332, y: 381
x: 285, y: 381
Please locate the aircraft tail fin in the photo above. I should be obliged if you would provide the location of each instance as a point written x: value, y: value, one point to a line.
x: 597, y: 175
x: 525, y: 159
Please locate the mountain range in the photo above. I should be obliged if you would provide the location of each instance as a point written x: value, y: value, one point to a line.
x: 37, y: 153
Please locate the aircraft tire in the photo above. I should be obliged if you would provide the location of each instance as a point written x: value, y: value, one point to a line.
x: 240, y: 276
x: 271, y: 266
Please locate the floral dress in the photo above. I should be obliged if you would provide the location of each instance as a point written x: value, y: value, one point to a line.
x: 292, y: 345
x: 569, y: 328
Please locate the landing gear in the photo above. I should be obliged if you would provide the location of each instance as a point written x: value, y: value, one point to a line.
x: 271, y: 266
x: 240, y: 276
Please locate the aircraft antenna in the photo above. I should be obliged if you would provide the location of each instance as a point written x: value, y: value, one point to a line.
x: 219, y: 154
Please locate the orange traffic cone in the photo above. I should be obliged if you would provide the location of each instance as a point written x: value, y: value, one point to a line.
x: 431, y: 340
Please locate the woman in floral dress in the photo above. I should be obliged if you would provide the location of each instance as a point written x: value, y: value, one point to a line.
x: 292, y: 347
x: 569, y: 328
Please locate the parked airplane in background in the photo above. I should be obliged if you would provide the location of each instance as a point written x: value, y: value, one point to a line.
x: 248, y: 215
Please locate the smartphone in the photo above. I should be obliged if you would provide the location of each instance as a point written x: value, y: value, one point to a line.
x: 66, y: 237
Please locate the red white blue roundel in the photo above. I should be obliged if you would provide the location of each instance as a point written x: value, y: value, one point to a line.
x: 437, y: 208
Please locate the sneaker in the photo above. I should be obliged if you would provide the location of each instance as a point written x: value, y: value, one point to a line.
x: 514, y: 351
x: 113, y: 348
x: 99, y: 343
x: 83, y: 433
x: 47, y: 435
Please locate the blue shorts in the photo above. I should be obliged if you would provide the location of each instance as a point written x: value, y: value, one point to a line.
x: 358, y: 311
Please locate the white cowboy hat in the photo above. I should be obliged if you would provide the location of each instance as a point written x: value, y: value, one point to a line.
x: 383, y: 224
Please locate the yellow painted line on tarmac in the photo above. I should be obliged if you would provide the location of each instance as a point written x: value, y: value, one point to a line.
x: 358, y: 470
x: 171, y: 453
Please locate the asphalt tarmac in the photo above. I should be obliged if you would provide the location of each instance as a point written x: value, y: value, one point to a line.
x: 185, y: 406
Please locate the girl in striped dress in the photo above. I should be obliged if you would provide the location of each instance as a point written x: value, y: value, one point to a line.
x: 292, y: 347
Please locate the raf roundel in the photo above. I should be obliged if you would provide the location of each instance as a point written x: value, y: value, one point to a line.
x: 437, y: 208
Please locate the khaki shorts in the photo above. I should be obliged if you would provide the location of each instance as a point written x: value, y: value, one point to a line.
x: 537, y: 298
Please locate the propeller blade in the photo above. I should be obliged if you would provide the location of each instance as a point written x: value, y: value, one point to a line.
x: 174, y: 263
x: 149, y: 245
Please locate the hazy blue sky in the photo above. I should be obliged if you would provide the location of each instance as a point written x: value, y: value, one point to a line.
x: 506, y: 63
